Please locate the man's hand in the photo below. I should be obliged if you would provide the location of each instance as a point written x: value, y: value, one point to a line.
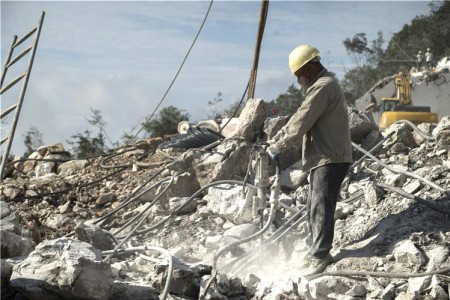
x: 273, y: 152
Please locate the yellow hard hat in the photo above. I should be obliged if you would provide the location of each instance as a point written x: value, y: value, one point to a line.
x: 302, y: 55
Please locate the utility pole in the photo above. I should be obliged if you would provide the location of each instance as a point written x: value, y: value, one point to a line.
x: 259, y: 36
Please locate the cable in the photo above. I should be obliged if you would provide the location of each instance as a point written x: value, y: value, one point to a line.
x: 108, y: 156
x: 102, y: 163
x: 275, y: 189
x: 176, y: 75
x: 246, y: 239
x: 237, y: 108
x: 374, y: 148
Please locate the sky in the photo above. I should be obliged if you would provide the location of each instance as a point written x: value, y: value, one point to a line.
x: 120, y: 57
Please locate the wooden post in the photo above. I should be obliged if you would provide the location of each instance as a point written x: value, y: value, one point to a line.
x: 259, y: 36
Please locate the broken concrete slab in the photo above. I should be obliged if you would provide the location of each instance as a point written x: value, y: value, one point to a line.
x: 251, y: 120
x: 63, y: 268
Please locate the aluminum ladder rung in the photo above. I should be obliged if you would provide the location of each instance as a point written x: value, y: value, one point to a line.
x: 25, y: 37
x: 19, y: 56
x: 3, y: 140
x: 25, y: 76
x: 8, y: 110
x: 12, y: 83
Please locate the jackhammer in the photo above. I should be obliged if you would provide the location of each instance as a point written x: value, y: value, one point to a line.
x: 261, y: 172
x: 260, y: 201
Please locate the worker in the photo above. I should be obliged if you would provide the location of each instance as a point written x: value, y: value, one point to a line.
x: 429, y: 58
x: 322, y: 121
x: 419, y: 61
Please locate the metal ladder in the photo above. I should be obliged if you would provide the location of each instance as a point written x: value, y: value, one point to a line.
x: 25, y: 76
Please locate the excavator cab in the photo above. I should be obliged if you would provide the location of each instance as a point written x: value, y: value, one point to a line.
x: 400, y: 106
x: 389, y: 104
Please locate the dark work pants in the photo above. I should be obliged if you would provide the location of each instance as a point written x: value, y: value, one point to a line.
x: 324, y: 187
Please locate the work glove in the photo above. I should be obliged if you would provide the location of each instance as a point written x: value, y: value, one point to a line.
x: 273, y: 152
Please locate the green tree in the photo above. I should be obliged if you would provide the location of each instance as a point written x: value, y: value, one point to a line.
x: 373, y: 63
x: 287, y: 103
x: 84, y: 146
x: 358, y: 49
x: 33, y: 139
x: 358, y: 80
x: 215, y: 107
x: 166, y: 122
x: 432, y: 31
x: 96, y: 120
x: 127, y: 138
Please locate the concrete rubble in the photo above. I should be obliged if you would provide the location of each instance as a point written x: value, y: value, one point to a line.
x: 146, y: 223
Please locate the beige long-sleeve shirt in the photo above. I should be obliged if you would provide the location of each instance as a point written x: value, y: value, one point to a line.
x: 322, y: 120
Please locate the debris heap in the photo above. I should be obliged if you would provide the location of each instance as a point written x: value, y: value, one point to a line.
x: 149, y: 222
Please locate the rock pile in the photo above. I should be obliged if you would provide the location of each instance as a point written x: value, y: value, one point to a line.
x: 151, y: 223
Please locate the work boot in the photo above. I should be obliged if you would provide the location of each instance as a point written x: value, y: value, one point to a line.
x: 317, y: 265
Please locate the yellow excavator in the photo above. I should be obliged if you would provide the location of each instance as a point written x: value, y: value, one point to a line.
x: 400, y: 106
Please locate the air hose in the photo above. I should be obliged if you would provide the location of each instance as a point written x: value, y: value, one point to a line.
x: 246, y: 239
x: 228, y: 246
x: 273, y: 200
x: 168, y: 181
x: 133, y: 197
x: 143, y: 215
x: 160, y: 223
x: 279, y: 233
x: 415, y: 128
